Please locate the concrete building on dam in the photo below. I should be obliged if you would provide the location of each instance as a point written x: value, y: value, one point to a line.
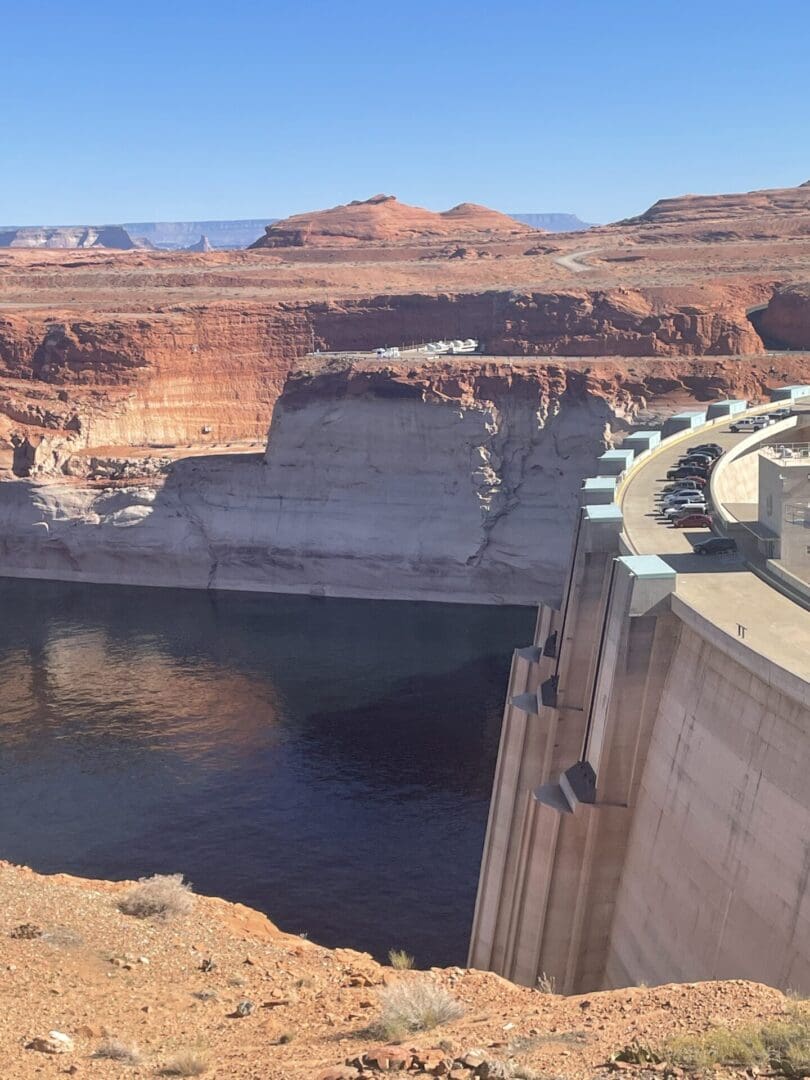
x: 650, y: 815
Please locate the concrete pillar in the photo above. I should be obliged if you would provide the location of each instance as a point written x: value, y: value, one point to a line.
x: 555, y: 850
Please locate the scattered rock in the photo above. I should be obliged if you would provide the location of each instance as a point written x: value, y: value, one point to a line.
x: 55, y: 1043
x: 244, y: 1008
x: 388, y: 1058
x: 26, y: 931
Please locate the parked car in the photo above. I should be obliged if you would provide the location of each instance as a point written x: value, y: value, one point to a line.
x: 695, y: 483
x: 680, y: 487
x: 745, y: 424
x: 781, y: 414
x: 681, y: 493
x: 706, y: 448
x: 690, y: 520
x: 682, y: 500
x: 717, y: 545
x: 751, y: 423
x: 685, y: 508
x: 687, y: 472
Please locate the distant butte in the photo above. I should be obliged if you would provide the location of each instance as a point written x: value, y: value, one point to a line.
x: 382, y: 219
x: 771, y: 214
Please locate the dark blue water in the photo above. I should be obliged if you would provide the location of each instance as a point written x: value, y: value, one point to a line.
x: 326, y: 761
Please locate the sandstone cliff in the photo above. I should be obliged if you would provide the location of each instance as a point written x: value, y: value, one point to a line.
x: 383, y: 219
x: 786, y: 318
x: 753, y: 215
x: 68, y: 236
x: 453, y: 481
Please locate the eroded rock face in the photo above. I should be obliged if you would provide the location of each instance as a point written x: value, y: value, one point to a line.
x: 454, y: 481
x: 786, y: 319
x: 68, y: 236
x: 618, y: 322
x: 770, y: 214
x: 382, y: 219
x: 161, y: 377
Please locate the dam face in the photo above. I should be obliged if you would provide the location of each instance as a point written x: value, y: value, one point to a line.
x: 650, y: 816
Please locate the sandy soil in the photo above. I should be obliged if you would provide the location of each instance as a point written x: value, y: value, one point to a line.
x: 91, y: 971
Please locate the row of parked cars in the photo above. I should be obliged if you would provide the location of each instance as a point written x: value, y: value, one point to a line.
x: 757, y: 423
x: 684, y: 503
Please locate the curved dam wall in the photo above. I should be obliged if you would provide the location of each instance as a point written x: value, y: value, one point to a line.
x: 650, y: 816
x: 715, y: 880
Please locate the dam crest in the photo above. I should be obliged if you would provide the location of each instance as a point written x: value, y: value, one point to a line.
x: 650, y: 814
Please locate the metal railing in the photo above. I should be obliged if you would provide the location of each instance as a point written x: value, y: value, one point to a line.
x: 787, y: 451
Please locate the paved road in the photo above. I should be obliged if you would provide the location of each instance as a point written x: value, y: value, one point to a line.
x: 719, y: 587
x: 574, y: 262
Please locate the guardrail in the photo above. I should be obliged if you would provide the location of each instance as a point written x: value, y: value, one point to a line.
x: 787, y: 451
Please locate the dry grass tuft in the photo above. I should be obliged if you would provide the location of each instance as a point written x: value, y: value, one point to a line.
x: 415, y: 1005
x: 165, y: 895
x: 546, y: 984
x: 186, y: 1063
x: 117, y: 1050
x: 782, y: 1045
x: 400, y: 960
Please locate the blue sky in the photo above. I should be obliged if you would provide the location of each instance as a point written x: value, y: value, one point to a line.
x: 177, y: 110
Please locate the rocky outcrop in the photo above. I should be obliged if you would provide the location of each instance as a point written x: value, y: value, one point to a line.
x: 617, y: 322
x: 203, y: 244
x: 204, y: 376
x: 68, y: 236
x: 553, y: 222
x: 453, y: 481
x: 211, y: 374
x: 384, y: 220
x: 753, y: 215
x: 786, y: 319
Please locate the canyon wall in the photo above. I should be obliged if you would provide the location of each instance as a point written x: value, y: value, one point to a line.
x: 459, y: 487
x: 210, y: 374
x: 682, y: 321
x: 786, y: 319
x: 454, y: 480
x: 128, y: 380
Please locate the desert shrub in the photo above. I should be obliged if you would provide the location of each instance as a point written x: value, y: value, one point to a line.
x: 546, y: 984
x: 415, y: 1005
x: 116, y: 1050
x: 165, y: 895
x: 782, y: 1044
x: 186, y: 1063
x: 739, y: 1047
x: 400, y: 960
x: 787, y: 1043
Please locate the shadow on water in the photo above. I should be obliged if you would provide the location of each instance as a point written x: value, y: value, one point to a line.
x: 326, y: 761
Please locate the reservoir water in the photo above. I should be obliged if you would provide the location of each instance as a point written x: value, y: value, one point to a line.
x: 326, y: 761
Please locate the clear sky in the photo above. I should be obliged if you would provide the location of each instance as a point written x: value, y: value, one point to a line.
x: 124, y: 111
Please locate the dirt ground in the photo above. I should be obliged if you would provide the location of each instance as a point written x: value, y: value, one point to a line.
x: 72, y: 962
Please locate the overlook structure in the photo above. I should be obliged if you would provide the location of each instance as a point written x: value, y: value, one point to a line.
x: 650, y: 813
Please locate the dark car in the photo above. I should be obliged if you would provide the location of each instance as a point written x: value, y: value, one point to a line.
x: 688, y: 521
x: 718, y: 545
x: 706, y: 448
x: 687, y: 472
x: 781, y: 414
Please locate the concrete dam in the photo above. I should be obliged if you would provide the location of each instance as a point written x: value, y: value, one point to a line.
x: 650, y: 815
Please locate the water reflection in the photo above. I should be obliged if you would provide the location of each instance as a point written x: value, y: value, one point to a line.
x: 327, y: 761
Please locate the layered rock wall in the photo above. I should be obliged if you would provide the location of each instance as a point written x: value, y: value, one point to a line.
x: 452, y: 481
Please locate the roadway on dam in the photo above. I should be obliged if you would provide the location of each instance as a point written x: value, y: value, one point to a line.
x: 720, y: 588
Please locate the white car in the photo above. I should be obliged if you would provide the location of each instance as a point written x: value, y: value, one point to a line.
x: 681, y: 497
x: 685, y: 508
